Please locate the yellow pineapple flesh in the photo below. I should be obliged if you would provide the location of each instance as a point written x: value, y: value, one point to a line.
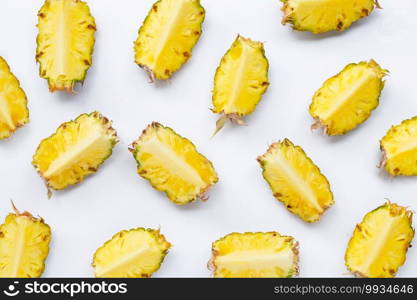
x: 24, y: 245
x: 380, y: 242
x: 399, y: 148
x: 320, y: 16
x: 296, y: 181
x: 168, y: 35
x: 240, y: 81
x: 65, y: 43
x: 172, y: 164
x: 75, y: 150
x: 347, y: 99
x: 134, y: 253
x: 255, y: 255
x: 13, y: 102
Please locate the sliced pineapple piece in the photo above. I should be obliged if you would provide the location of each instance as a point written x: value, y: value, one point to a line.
x: 14, y: 112
x: 24, y: 245
x: 75, y: 150
x: 134, y: 253
x: 399, y: 149
x: 172, y: 164
x: 255, y: 255
x: 320, y: 16
x: 347, y: 99
x: 379, y: 244
x: 65, y: 43
x: 240, y: 81
x: 168, y: 36
x: 296, y: 181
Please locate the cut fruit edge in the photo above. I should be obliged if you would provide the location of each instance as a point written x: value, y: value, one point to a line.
x: 381, y: 73
x: 261, y: 161
x: 26, y: 120
x: 408, y: 213
x: 287, y: 11
x: 107, y: 127
x: 156, y: 233
x: 203, y: 195
x: 295, y: 249
x: 70, y: 84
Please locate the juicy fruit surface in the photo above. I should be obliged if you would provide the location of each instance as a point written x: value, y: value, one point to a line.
x: 241, y: 79
x: 379, y: 244
x: 168, y: 35
x: 347, y: 99
x: 255, y: 255
x: 134, y: 253
x: 172, y: 164
x: 296, y: 181
x: 399, y: 148
x: 75, y: 150
x: 24, y: 246
x: 65, y: 42
x: 13, y: 103
x: 320, y: 16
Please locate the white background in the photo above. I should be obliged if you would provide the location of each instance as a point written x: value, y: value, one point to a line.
x: 82, y: 218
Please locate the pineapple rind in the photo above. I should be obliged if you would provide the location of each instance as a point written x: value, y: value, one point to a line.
x: 184, y: 57
x: 397, y: 136
x: 201, y: 195
x: 311, y: 216
x: 6, y: 74
x: 360, y: 231
x: 157, y: 236
x: 293, y: 271
x: 42, y: 248
x: 58, y: 84
x: 262, y: 84
x: 110, y: 134
x: 340, y: 22
x: 332, y: 126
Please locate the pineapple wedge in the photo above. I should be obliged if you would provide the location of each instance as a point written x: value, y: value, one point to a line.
x: 399, y: 148
x: 347, y: 99
x: 167, y: 37
x: 296, y: 181
x: 320, y: 16
x: 24, y: 245
x: 134, y: 253
x: 75, y: 150
x: 240, y: 81
x: 379, y: 244
x: 254, y: 255
x: 65, y: 43
x: 14, y: 112
x: 172, y: 164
